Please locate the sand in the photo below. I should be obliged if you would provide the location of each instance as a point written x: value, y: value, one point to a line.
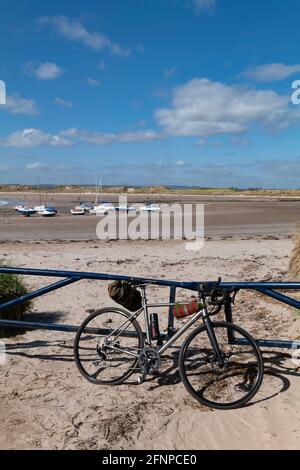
x: 224, y: 216
x: 46, y: 404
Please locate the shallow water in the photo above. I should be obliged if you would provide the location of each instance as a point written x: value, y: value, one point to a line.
x: 9, y: 202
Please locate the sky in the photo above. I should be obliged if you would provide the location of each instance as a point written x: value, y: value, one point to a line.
x: 150, y: 92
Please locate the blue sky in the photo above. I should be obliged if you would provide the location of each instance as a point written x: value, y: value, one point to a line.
x: 184, y: 92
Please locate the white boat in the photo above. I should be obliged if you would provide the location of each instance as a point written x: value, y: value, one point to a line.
x: 102, y: 208
x: 77, y: 211
x: 150, y: 207
x: 125, y: 209
x: 26, y: 211
x: 19, y: 208
x: 48, y: 212
x: 83, y: 207
x: 42, y: 210
x: 87, y: 206
x: 39, y: 208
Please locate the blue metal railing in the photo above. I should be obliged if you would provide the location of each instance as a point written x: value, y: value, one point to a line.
x: 269, y: 289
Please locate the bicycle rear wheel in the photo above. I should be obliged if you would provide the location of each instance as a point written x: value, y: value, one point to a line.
x: 227, y: 386
x: 107, y: 345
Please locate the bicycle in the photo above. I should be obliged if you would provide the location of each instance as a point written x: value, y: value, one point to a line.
x: 220, y: 364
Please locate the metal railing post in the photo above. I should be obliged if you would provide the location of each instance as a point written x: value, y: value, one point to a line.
x: 172, y: 300
x: 229, y: 318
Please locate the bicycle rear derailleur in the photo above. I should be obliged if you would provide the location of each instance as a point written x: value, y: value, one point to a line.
x: 149, y: 362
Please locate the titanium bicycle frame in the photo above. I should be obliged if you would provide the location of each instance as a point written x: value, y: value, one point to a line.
x: 203, y: 313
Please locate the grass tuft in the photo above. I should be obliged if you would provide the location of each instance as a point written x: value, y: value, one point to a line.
x: 11, y: 287
x: 294, y: 264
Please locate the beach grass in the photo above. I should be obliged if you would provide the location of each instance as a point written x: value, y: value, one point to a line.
x: 11, y: 287
x: 294, y: 263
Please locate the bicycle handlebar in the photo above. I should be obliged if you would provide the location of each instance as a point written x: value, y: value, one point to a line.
x: 217, y: 294
x: 218, y: 298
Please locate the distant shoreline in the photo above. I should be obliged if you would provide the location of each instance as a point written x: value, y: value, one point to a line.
x: 154, y: 191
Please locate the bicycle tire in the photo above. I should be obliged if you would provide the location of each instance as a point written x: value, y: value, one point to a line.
x: 198, y: 395
x: 79, y: 363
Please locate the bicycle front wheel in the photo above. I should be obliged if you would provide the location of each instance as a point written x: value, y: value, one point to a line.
x: 107, y: 345
x: 226, y: 385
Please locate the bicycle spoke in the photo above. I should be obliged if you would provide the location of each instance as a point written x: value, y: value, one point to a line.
x: 220, y: 384
x: 117, y: 349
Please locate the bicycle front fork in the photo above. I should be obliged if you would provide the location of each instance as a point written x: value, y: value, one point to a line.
x: 212, y: 338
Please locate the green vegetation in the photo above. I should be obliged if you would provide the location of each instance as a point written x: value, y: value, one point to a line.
x: 11, y: 287
x: 180, y: 190
x: 294, y: 264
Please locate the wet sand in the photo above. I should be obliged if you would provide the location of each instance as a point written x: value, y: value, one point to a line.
x: 223, y: 217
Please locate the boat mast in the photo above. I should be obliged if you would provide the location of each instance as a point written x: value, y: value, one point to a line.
x: 80, y: 189
x: 96, y: 189
x: 101, y: 183
x: 39, y: 191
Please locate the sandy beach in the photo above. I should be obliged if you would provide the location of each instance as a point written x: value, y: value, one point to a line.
x: 224, y: 216
x: 46, y: 404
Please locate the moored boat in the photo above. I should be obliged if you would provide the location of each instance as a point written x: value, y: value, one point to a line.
x: 41, y: 210
x: 87, y: 206
x: 77, y: 211
x: 124, y: 209
x: 102, y: 208
x: 26, y: 211
x: 48, y: 212
x: 150, y: 207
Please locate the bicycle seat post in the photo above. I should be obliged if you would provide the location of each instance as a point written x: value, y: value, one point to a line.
x: 201, y: 293
x: 144, y: 295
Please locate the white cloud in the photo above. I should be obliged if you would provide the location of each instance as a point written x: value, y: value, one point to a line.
x: 37, y: 138
x: 205, y: 108
x: 15, y: 104
x: 271, y: 72
x: 180, y: 163
x: 2, y: 93
x: 96, y: 138
x: 75, y: 31
x: 36, y: 166
x: 203, y: 5
x: 44, y: 71
x: 62, y: 102
x: 92, y: 82
x: 200, y: 108
x: 100, y: 138
x: 33, y: 138
x: 140, y: 136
